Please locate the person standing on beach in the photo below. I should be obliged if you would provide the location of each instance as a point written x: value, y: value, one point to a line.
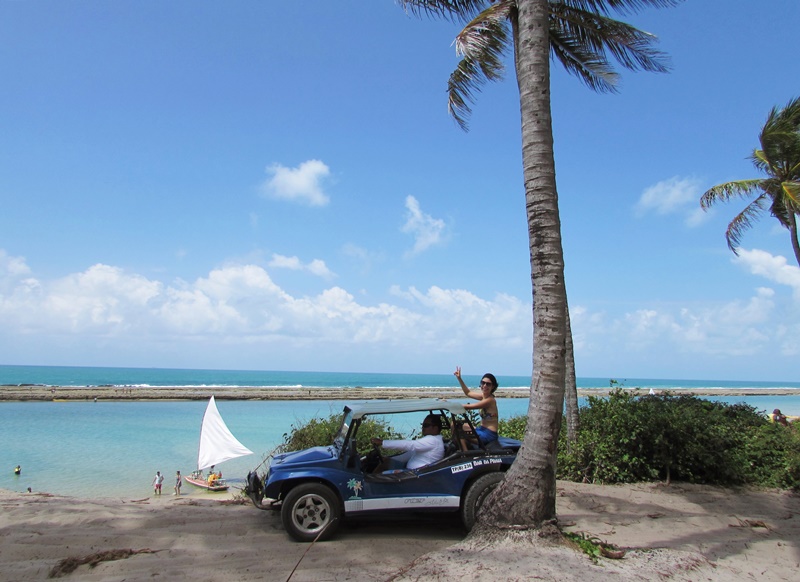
x: 158, y: 480
x: 486, y: 406
x: 178, y: 483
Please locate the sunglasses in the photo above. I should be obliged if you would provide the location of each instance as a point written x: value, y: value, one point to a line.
x: 485, y: 383
x: 427, y: 424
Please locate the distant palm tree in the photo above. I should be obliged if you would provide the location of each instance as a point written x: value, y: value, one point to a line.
x: 779, y: 192
x: 580, y: 35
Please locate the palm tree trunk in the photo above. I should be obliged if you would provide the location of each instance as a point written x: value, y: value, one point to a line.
x: 793, y: 231
x: 571, y: 385
x: 527, y: 497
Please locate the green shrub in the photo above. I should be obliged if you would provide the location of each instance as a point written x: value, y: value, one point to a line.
x: 514, y: 427
x: 320, y: 432
x: 628, y: 437
x: 772, y: 454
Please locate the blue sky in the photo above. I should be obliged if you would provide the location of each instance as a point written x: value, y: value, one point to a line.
x: 277, y: 185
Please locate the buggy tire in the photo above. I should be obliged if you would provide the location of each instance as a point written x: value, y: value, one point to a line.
x: 476, y: 494
x: 311, y: 511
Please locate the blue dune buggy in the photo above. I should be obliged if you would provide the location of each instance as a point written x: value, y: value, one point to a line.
x: 316, y: 488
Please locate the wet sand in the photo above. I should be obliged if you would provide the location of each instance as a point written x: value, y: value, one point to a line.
x: 49, y: 393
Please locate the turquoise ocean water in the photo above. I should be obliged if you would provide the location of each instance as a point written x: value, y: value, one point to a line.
x: 113, y: 449
x: 84, y: 376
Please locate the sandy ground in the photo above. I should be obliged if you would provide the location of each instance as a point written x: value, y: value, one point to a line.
x: 43, y: 393
x: 678, y: 532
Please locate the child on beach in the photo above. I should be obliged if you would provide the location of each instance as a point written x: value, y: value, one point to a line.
x: 486, y: 406
x: 178, y: 483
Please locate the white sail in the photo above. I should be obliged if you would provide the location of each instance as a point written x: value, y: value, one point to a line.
x: 217, y: 444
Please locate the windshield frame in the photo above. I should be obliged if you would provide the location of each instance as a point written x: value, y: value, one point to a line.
x: 344, y: 428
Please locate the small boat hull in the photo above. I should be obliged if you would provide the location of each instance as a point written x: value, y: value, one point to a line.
x: 202, y: 482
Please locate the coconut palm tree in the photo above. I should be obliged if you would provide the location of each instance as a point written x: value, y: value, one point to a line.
x: 779, y: 192
x: 579, y: 34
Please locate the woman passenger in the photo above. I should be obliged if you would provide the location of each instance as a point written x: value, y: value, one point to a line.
x: 486, y: 406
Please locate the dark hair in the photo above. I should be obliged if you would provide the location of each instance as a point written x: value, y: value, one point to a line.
x: 435, y: 420
x: 493, y: 380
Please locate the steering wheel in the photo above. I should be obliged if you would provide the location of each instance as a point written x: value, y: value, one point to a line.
x: 377, y: 450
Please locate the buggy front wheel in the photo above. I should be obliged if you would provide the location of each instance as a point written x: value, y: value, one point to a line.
x: 311, y: 512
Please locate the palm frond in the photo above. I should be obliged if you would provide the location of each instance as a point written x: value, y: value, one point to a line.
x: 598, y: 34
x: 487, y: 33
x: 620, y: 6
x: 780, y: 210
x: 780, y: 146
x: 760, y: 161
x: 791, y: 191
x: 461, y: 88
x: 592, y: 68
x: 453, y: 10
x: 724, y: 192
x: 745, y: 220
x: 482, y: 43
x: 794, y: 170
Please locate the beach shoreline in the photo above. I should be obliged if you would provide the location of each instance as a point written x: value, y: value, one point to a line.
x: 27, y: 393
x: 679, y: 532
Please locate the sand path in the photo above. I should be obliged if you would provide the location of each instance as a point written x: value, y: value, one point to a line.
x: 689, y: 532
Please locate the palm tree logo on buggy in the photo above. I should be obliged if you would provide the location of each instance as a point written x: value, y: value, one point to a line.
x: 356, y: 486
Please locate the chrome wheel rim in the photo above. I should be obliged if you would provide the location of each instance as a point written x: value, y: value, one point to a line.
x: 311, y: 513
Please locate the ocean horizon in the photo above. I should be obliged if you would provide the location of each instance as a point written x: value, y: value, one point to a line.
x: 74, y: 376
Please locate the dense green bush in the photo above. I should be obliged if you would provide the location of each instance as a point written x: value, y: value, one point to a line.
x: 513, y: 427
x: 319, y: 432
x: 627, y: 437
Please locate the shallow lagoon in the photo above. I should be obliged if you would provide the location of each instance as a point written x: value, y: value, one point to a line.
x: 113, y: 449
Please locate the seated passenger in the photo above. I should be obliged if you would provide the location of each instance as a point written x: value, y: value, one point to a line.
x: 778, y: 417
x: 486, y: 407
x: 418, y: 453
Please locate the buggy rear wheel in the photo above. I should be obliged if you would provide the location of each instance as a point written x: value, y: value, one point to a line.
x: 477, y: 493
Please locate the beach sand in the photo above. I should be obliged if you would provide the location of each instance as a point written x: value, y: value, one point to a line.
x: 678, y: 532
x: 43, y: 393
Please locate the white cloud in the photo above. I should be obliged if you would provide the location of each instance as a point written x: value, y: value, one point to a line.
x: 320, y: 269
x: 673, y: 196
x: 745, y: 338
x: 240, y: 305
x: 364, y: 258
x: 284, y: 262
x: 12, y: 267
x: 239, y: 308
x: 501, y: 321
x: 672, y: 335
x: 102, y: 299
x: 773, y: 268
x: 426, y: 230
x: 302, y: 184
x: 315, y: 267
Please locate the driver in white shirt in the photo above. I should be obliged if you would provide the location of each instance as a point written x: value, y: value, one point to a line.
x: 420, y: 452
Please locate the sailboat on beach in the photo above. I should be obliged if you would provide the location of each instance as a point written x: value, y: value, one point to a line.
x: 217, y: 445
